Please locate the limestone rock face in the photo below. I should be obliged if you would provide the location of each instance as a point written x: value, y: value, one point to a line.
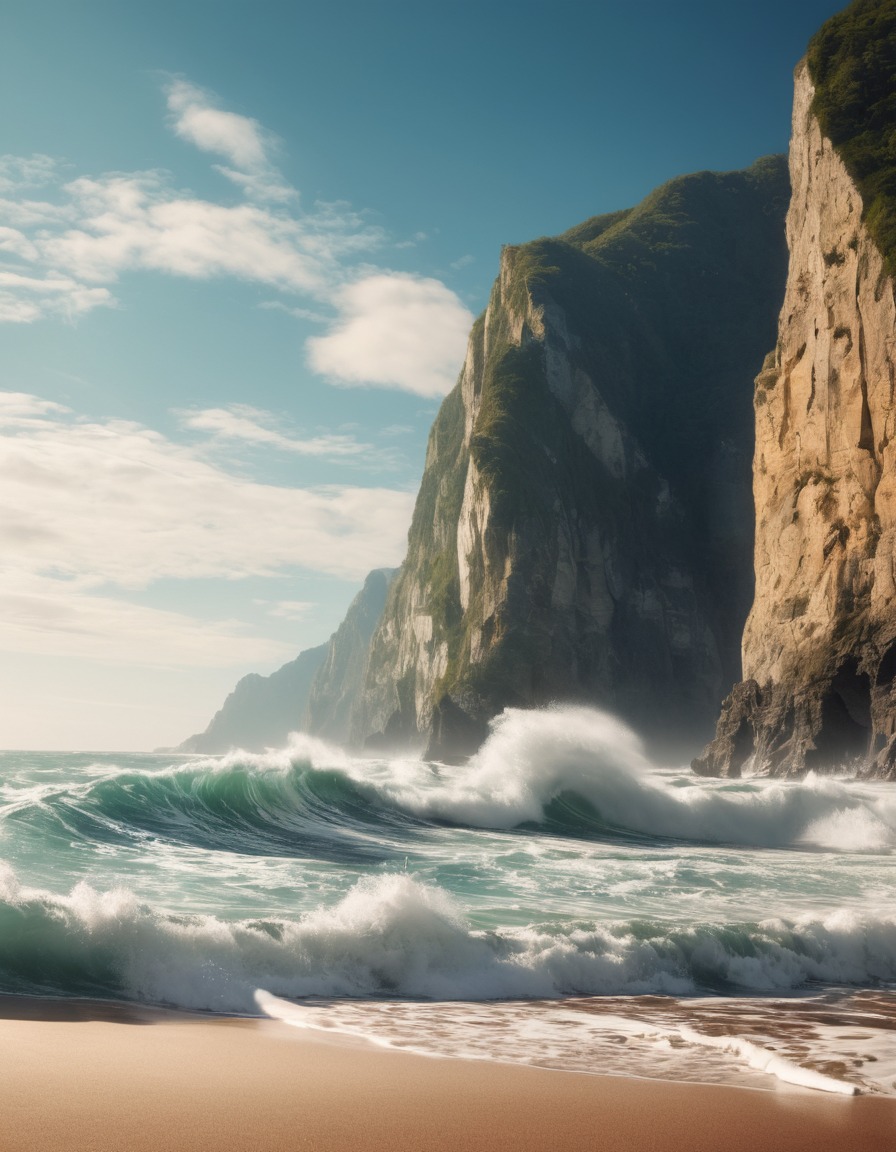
x: 819, y: 647
x: 314, y: 693
x: 584, y: 528
x: 338, y: 680
x: 261, y: 711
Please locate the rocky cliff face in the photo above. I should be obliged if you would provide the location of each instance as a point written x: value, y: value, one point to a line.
x: 261, y: 711
x: 313, y: 693
x: 583, y: 529
x: 337, y: 683
x: 819, y: 648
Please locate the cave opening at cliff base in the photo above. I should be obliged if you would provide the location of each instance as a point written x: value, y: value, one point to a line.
x: 845, y: 729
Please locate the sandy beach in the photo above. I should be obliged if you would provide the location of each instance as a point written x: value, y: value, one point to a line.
x: 93, y: 1078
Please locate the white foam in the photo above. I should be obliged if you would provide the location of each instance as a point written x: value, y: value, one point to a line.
x: 533, y: 756
x: 562, y: 1036
x: 394, y: 935
x: 764, y: 1060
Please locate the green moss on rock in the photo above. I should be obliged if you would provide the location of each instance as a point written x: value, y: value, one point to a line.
x: 852, y: 63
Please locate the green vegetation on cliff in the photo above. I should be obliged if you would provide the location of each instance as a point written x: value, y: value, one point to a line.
x: 439, y: 500
x: 663, y: 302
x: 603, y: 434
x: 852, y: 62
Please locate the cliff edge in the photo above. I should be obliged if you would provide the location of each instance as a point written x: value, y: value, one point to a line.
x: 819, y: 647
x: 583, y: 529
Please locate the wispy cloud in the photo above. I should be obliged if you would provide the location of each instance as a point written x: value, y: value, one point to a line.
x: 66, y: 243
x: 315, y: 316
x: 97, y: 511
x: 196, y: 118
x: 287, y: 609
x: 416, y: 239
x: 20, y: 172
x: 52, y: 618
x: 26, y: 298
x: 22, y: 410
x: 255, y: 426
x: 140, y: 222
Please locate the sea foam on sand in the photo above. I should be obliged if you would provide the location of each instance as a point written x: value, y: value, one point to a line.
x: 844, y: 1049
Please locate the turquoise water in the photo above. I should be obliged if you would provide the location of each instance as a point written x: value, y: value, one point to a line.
x: 559, y: 864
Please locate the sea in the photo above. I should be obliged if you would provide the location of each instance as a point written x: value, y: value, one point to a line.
x: 559, y: 901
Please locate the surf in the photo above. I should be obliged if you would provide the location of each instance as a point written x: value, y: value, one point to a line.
x: 573, y: 772
x: 393, y: 935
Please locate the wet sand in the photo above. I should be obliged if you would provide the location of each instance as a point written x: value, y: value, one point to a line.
x: 95, y: 1078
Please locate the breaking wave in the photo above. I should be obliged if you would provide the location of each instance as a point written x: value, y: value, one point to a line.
x: 566, y: 771
x: 533, y: 759
x: 394, y: 936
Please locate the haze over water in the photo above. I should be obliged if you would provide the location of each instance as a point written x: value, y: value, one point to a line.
x: 501, y: 909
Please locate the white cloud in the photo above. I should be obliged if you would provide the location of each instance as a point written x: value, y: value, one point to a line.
x: 287, y: 609
x: 138, y: 222
x: 396, y: 330
x: 62, y: 254
x: 241, y: 140
x: 19, y: 172
x: 416, y: 239
x: 24, y: 298
x: 21, y: 409
x: 16, y: 243
x: 243, y: 422
x: 52, y: 618
x: 59, y: 262
x: 96, y: 509
x: 27, y: 213
x: 311, y: 314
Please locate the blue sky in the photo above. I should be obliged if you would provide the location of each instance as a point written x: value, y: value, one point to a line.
x: 240, y: 248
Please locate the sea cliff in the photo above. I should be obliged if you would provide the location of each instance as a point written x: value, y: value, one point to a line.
x: 584, y: 525
x: 819, y: 647
x: 313, y: 693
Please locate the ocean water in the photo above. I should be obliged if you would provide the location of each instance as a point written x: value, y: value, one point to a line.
x: 558, y: 901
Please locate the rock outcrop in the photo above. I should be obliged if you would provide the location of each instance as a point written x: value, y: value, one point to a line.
x: 584, y: 527
x: 337, y: 683
x: 261, y: 711
x: 314, y: 693
x: 819, y: 647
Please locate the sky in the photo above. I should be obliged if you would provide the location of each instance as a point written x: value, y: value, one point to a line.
x: 241, y: 247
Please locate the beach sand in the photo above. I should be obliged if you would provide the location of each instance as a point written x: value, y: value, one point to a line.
x: 94, y: 1078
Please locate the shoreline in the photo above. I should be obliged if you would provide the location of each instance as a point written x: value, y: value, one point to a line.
x: 94, y: 1076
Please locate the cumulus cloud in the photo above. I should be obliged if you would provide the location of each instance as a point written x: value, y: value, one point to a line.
x: 63, y: 251
x: 97, y: 511
x: 396, y: 330
x: 61, y: 262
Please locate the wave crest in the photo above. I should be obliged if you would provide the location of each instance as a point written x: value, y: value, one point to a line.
x: 535, y: 758
x: 569, y: 771
x: 393, y: 935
